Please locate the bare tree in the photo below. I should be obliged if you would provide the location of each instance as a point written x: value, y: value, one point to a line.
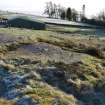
x: 49, y: 9
x: 61, y: 11
x: 53, y: 10
x: 74, y: 15
x: 101, y: 16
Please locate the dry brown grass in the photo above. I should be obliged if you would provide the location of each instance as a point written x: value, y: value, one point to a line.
x: 6, y: 102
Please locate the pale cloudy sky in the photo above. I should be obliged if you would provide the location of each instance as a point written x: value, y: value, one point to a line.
x: 37, y: 6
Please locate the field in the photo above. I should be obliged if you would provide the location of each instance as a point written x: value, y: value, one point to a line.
x: 57, y: 66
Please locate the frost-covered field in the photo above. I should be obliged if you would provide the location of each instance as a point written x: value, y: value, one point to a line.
x: 45, y: 19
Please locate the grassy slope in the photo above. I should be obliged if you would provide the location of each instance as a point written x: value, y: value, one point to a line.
x: 90, y: 72
x: 46, y: 94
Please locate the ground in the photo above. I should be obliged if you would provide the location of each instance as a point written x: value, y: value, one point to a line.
x: 57, y: 66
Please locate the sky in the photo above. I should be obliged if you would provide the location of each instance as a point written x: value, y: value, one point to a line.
x: 37, y: 6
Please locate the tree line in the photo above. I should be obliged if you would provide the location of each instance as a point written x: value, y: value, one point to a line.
x: 57, y: 11
x: 99, y: 19
x: 53, y: 10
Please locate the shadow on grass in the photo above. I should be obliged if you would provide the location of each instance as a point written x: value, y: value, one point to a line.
x: 65, y: 81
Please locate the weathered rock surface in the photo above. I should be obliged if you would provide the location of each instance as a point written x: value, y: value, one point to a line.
x: 47, y: 52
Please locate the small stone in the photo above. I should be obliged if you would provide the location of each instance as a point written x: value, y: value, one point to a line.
x: 29, y: 88
x: 7, y: 66
x: 46, y: 49
x: 99, y: 66
x: 31, y: 75
x: 2, y: 62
